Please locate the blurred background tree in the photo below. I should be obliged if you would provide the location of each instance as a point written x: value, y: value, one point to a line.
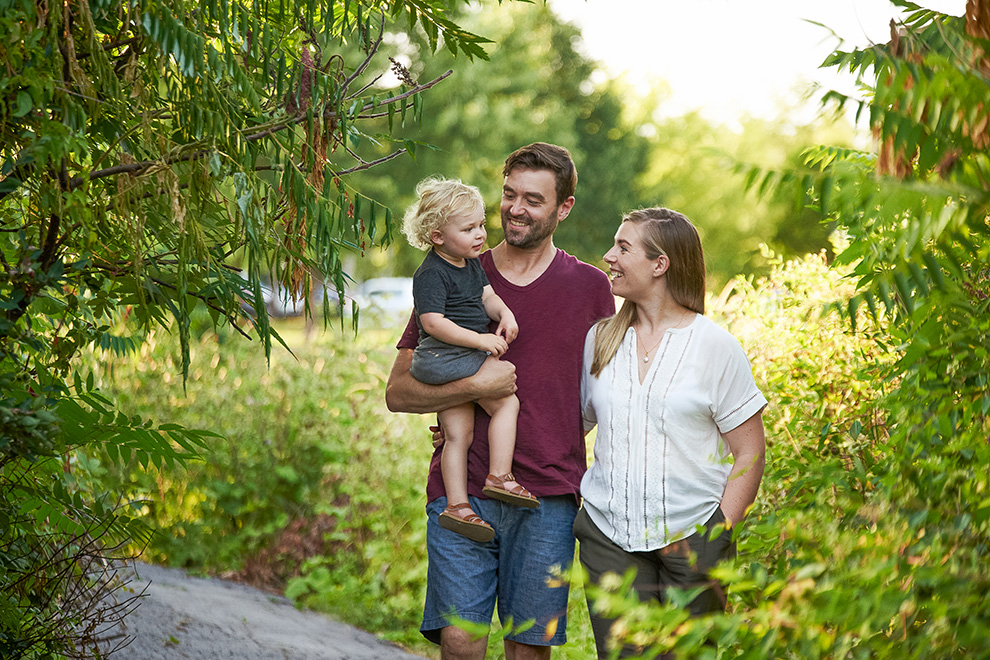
x: 538, y: 86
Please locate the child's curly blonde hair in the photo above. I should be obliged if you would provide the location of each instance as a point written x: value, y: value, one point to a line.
x: 439, y: 199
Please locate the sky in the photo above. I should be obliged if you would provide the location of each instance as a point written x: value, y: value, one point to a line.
x: 727, y: 58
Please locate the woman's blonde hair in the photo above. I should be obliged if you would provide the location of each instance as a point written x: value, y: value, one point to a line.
x: 438, y: 200
x: 662, y: 232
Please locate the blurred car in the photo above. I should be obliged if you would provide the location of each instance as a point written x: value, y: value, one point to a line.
x: 280, y: 304
x: 385, y: 298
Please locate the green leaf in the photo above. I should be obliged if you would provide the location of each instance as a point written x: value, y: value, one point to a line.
x: 24, y: 104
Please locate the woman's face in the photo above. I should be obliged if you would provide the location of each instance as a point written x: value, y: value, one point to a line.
x: 633, y: 273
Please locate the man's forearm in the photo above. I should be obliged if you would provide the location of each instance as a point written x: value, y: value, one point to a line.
x: 495, y: 379
x: 406, y: 394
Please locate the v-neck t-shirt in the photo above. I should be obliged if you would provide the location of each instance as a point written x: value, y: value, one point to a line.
x: 554, y: 313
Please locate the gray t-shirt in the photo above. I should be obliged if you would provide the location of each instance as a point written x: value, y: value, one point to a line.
x: 440, y: 286
x: 456, y: 292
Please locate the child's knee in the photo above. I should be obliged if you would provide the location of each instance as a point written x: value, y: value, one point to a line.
x: 505, y: 406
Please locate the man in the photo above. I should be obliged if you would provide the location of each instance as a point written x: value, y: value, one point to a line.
x: 555, y: 299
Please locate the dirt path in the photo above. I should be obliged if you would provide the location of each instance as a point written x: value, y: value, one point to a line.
x: 206, y: 619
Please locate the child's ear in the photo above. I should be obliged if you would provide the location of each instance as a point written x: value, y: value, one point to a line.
x: 436, y: 237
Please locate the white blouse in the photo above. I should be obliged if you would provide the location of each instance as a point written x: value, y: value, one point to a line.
x: 661, y: 466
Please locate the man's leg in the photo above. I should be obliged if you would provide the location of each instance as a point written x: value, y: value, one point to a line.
x: 534, y: 543
x: 457, y: 644
x: 517, y: 651
x: 460, y: 584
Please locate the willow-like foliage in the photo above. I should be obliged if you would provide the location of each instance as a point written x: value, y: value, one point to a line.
x: 159, y: 158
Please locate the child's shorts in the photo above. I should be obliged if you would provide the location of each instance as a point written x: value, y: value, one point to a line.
x: 435, y: 362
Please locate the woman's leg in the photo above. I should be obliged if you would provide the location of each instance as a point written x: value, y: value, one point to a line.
x: 686, y: 563
x: 599, y: 556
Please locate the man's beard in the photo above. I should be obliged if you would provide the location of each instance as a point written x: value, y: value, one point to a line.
x: 534, y: 234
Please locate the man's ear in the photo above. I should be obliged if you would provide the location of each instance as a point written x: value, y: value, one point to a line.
x: 565, y: 208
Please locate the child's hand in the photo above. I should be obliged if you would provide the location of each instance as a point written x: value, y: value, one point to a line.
x: 493, y: 344
x: 507, y: 327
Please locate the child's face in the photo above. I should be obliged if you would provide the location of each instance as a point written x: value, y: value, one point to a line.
x: 463, y: 237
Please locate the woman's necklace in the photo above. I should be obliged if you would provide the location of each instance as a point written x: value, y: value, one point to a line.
x: 646, y: 357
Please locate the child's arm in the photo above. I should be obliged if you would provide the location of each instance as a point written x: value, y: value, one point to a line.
x: 440, y: 327
x: 497, y: 310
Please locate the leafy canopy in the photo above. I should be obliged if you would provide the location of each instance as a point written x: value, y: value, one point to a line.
x: 158, y: 159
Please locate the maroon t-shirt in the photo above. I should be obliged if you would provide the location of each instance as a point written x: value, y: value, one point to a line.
x: 554, y: 314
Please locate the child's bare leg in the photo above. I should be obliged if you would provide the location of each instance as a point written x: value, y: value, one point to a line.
x: 501, y: 433
x: 458, y: 431
x: 458, y: 427
x: 501, y: 446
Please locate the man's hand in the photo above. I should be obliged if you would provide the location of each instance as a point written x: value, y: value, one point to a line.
x: 438, y: 437
x: 495, y: 379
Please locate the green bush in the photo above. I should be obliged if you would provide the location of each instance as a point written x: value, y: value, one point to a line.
x: 311, y: 483
x: 868, y: 539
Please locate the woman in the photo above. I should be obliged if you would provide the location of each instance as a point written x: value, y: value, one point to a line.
x: 673, y: 396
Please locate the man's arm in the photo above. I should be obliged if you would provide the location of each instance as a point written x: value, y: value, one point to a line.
x: 495, y: 379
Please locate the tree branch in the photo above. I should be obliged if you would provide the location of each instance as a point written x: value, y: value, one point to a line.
x: 372, y: 49
x: 130, y: 168
x: 373, y: 163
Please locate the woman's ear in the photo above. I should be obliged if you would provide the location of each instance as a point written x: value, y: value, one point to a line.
x: 661, y: 265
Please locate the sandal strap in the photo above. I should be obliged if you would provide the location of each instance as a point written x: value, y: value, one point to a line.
x: 471, y: 518
x: 498, y: 481
x: 519, y: 490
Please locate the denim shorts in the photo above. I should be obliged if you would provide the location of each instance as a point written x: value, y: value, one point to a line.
x: 465, y: 578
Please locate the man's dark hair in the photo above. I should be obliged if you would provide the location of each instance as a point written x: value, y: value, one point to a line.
x: 543, y: 156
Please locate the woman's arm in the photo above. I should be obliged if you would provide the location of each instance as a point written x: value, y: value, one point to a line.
x: 747, y: 442
x: 495, y: 379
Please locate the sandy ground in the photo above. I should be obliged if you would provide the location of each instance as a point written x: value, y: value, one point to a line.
x: 203, y: 619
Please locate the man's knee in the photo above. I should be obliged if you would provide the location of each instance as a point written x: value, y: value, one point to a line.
x: 519, y: 651
x: 459, y: 644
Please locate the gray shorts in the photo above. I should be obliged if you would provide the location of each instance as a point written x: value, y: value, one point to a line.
x: 435, y: 362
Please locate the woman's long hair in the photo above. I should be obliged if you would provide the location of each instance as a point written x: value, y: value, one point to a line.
x: 663, y: 232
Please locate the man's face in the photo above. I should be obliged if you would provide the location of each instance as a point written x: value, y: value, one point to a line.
x: 530, y: 211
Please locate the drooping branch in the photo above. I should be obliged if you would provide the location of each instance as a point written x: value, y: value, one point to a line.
x: 135, y: 168
x: 367, y: 165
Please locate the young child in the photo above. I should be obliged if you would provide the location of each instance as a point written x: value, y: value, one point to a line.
x: 454, y: 304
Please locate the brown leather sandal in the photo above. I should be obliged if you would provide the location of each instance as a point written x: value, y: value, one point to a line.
x: 495, y: 488
x: 471, y: 525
